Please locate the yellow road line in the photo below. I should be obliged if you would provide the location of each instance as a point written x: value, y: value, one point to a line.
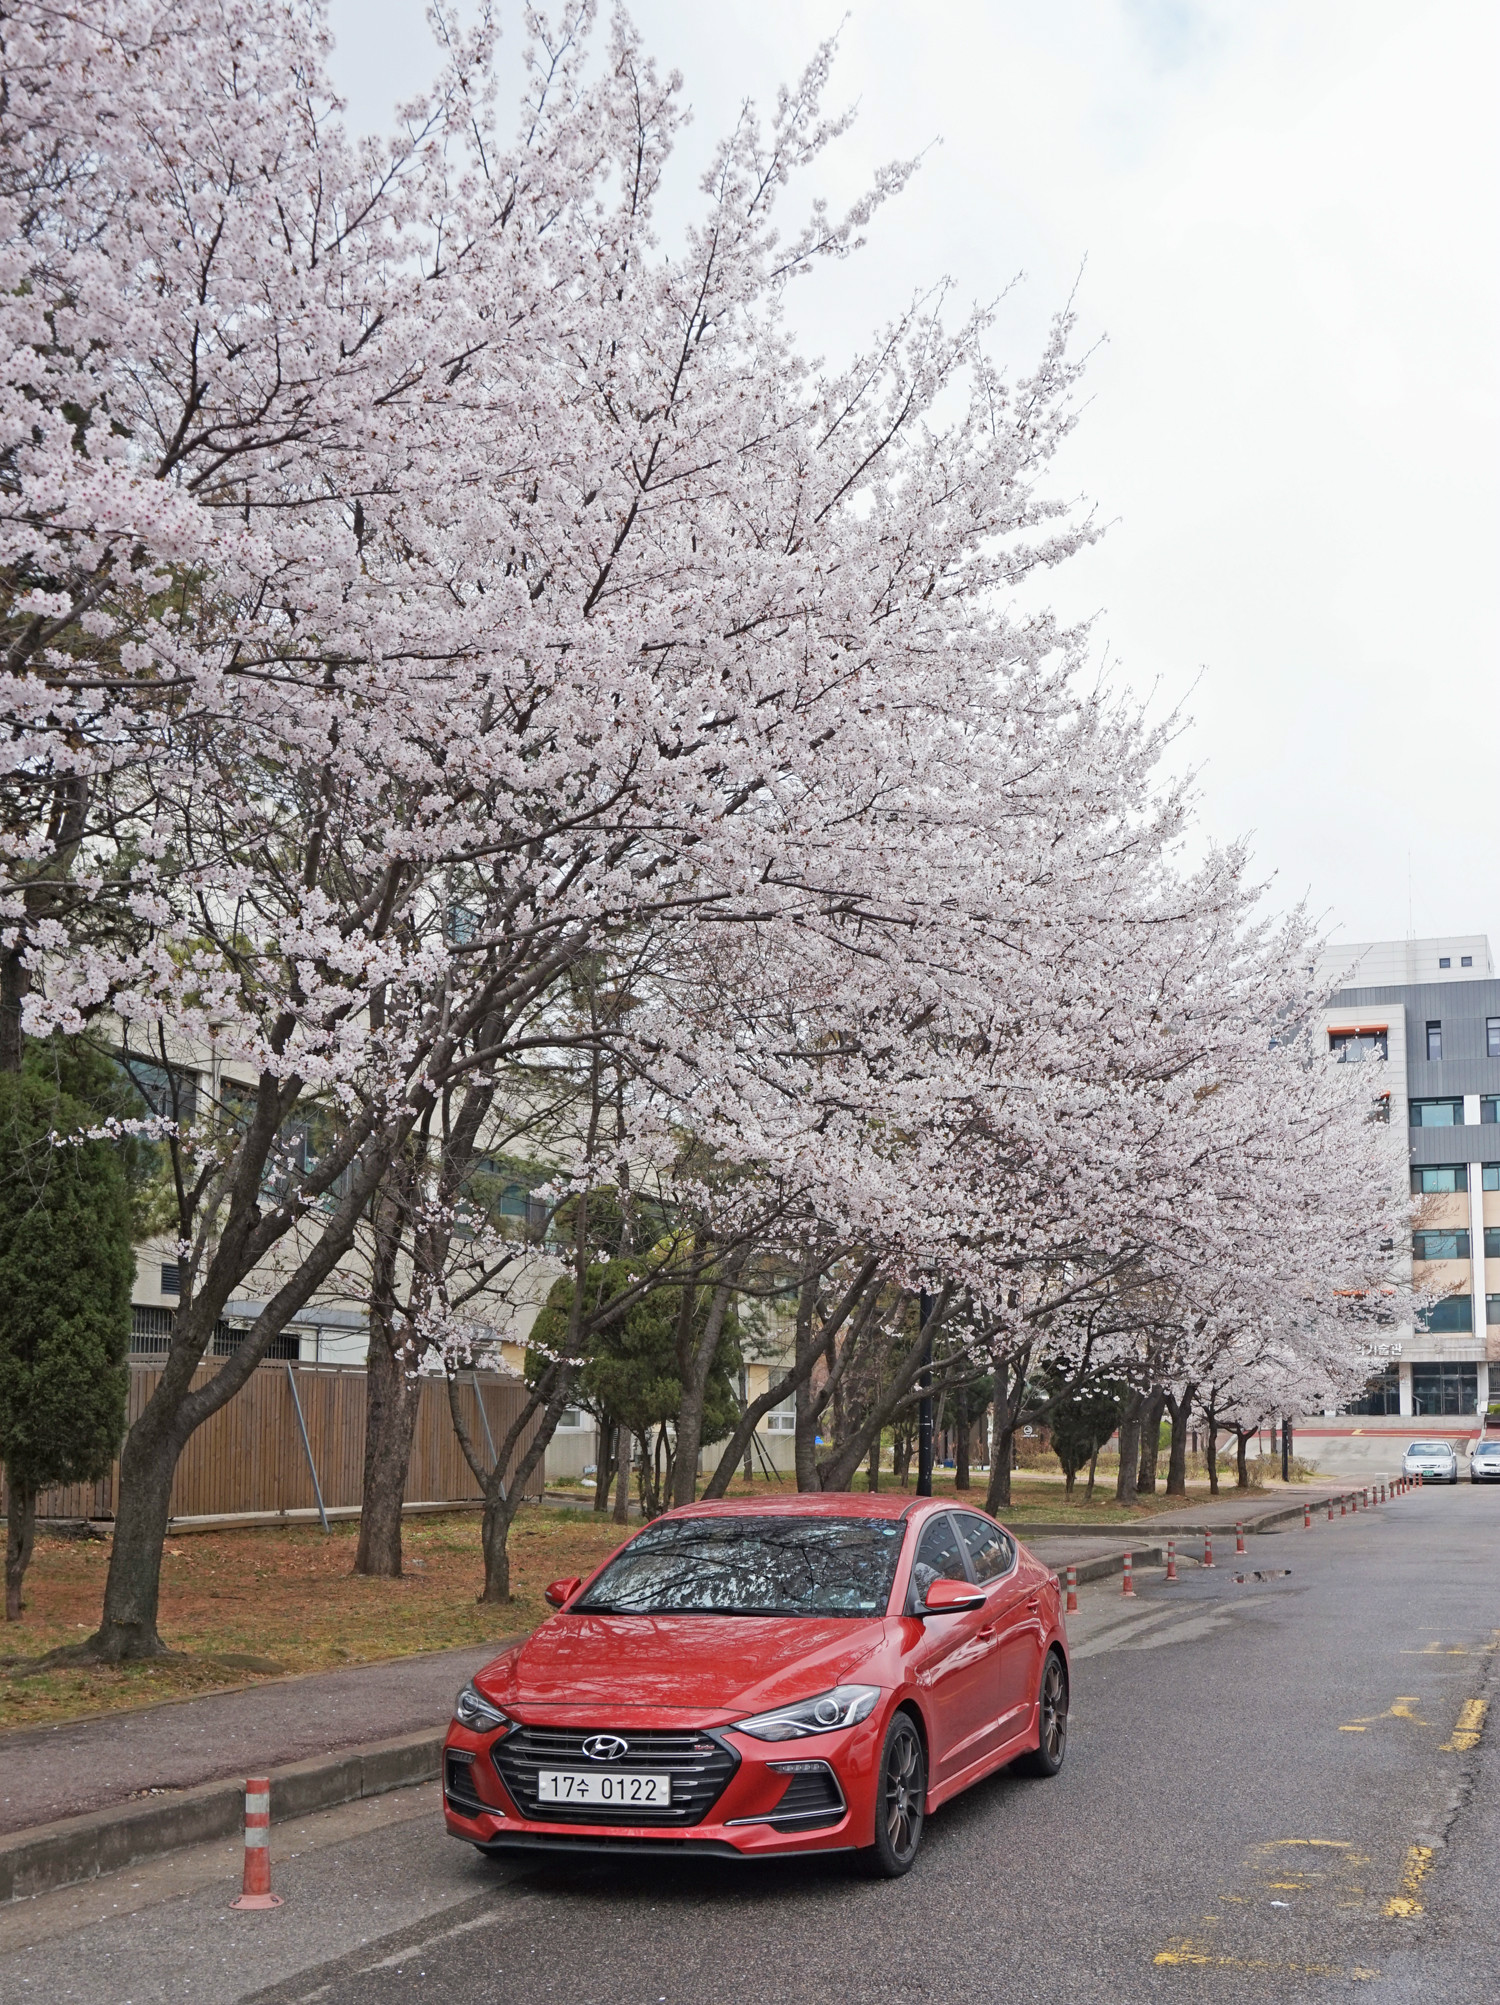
x: 1469, y: 1727
x: 1186, y: 1951
x: 1405, y: 1904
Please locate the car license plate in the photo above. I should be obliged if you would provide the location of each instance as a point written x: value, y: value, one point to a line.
x: 573, y: 1785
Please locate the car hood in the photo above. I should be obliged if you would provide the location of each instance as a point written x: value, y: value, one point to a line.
x: 716, y: 1667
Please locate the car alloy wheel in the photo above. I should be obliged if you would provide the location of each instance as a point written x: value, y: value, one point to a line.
x: 901, y: 1805
x: 1052, y: 1721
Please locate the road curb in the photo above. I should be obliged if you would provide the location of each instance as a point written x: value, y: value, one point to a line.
x: 1264, y: 1522
x: 104, y: 1841
x: 1114, y: 1562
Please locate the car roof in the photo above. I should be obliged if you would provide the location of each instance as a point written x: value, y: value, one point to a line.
x: 813, y: 1504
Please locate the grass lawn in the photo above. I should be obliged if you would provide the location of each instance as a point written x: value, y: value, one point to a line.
x: 286, y: 1601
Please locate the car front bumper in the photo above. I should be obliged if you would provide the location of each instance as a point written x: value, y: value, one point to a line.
x: 742, y: 1822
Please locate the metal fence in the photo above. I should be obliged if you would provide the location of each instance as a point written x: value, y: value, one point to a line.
x: 259, y: 1452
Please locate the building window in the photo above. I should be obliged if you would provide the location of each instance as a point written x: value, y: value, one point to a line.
x: 1492, y: 1308
x: 1435, y: 1038
x: 1492, y: 1036
x: 1432, y: 1179
x: 1350, y: 1047
x: 1444, y: 1388
x: 1382, y: 1393
x: 171, y: 1094
x: 150, y: 1331
x: 171, y: 1278
x: 1444, y: 1245
x: 1489, y: 1108
x: 1445, y: 960
x: 573, y: 1417
x: 1437, y: 1113
x: 1466, y: 961
x: 1455, y: 1312
x: 783, y: 1419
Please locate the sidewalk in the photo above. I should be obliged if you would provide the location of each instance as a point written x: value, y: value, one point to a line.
x: 1263, y: 1512
x: 48, y: 1773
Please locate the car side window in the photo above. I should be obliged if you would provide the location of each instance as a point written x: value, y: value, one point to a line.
x: 991, y: 1551
x: 939, y: 1557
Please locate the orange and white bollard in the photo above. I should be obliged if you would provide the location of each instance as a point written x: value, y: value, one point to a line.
x: 255, y: 1891
x: 1330, y: 1510
x: 1307, y: 1517
x: 1208, y: 1548
x: 1171, y: 1559
x: 1343, y: 1508
x: 1072, y: 1608
x: 1366, y: 1495
x: 1128, y: 1584
x: 1239, y: 1541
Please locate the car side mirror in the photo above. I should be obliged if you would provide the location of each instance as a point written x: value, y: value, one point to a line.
x: 559, y: 1591
x: 951, y: 1597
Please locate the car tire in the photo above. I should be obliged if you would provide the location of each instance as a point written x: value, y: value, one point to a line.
x: 1046, y: 1758
x: 900, y: 1801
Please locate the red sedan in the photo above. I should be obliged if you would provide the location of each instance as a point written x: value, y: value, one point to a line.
x: 808, y: 1674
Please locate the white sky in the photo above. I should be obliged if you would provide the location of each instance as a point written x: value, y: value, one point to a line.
x: 1285, y: 214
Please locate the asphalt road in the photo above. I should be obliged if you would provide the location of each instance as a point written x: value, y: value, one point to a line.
x: 1276, y: 1789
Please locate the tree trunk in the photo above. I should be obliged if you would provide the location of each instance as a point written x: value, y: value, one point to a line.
x: 393, y: 1393
x: 901, y: 1443
x: 1151, y: 1414
x: 1241, y: 1467
x: 873, y: 1482
x: 20, y: 1537
x: 622, y: 1476
x: 604, y: 1467
x: 1211, y: 1457
x: 1070, y: 1477
x: 15, y: 980
x: 1130, y: 1449
x: 1180, y: 1409
x: 1002, y: 1453
x: 697, y: 1360
x: 132, y: 1587
x: 961, y: 1456
x: 1088, y: 1495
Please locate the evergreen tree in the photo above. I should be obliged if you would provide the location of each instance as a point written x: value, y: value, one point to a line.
x: 66, y: 1267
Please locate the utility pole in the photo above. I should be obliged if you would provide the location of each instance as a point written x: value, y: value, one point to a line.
x: 924, y: 1411
x: 1286, y: 1449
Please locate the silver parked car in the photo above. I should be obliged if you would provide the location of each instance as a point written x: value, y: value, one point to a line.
x: 1433, y: 1461
x: 1484, y: 1460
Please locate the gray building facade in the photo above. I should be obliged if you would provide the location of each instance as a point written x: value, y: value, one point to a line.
x: 1424, y: 1016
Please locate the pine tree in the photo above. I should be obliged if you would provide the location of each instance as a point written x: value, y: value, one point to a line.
x: 66, y: 1267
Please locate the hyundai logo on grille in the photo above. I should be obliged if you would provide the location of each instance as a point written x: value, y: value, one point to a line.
x: 605, y: 1747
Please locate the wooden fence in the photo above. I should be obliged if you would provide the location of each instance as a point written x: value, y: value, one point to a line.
x: 249, y: 1456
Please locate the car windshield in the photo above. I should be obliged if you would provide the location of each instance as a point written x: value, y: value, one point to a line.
x: 1428, y: 1448
x: 752, y: 1566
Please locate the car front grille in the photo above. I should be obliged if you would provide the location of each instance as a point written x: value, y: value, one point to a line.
x: 699, y: 1764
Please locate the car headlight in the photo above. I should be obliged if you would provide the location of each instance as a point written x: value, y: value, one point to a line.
x: 842, y: 1707
x: 472, y: 1710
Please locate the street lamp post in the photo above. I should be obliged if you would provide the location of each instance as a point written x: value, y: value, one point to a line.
x: 924, y: 1411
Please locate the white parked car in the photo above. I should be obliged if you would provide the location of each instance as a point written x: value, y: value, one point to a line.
x: 1433, y: 1461
x: 1484, y: 1460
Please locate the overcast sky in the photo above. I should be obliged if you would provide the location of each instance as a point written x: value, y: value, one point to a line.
x: 1285, y: 217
